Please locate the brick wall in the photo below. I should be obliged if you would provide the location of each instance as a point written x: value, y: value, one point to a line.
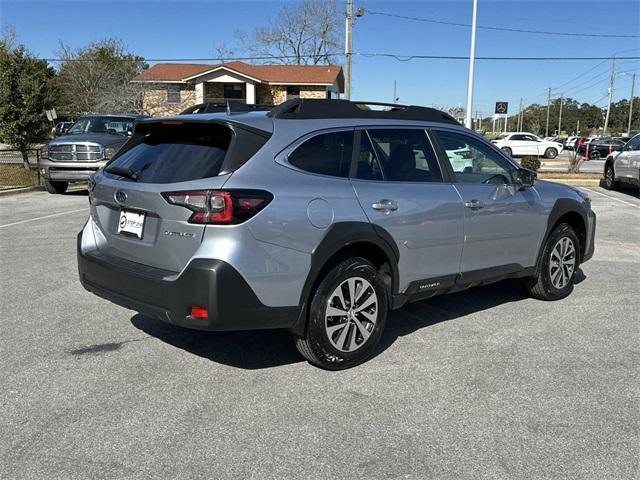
x: 155, y: 100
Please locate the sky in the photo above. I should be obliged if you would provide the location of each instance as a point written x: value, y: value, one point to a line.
x: 191, y: 29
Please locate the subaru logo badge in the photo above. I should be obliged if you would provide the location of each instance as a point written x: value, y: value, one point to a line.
x: 120, y: 196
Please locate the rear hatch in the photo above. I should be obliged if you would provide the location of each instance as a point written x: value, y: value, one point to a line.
x: 130, y: 201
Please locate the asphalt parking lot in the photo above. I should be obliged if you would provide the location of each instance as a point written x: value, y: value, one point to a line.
x: 481, y: 384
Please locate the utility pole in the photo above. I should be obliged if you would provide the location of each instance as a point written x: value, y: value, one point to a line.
x: 613, y: 77
x: 548, y: 107
x: 633, y: 84
x: 560, y: 117
x: 347, y: 50
x: 520, y: 116
x: 472, y: 60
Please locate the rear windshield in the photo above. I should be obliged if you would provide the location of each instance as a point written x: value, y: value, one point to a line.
x: 170, y: 153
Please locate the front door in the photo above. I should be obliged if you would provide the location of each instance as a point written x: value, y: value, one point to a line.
x: 400, y: 187
x: 502, y: 224
x: 522, y: 145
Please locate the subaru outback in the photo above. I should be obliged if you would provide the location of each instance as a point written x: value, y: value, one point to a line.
x: 320, y: 217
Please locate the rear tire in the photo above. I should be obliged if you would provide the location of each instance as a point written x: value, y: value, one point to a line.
x: 507, y: 150
x: 343, y: 332
x: 55, y: 187
x: 557, y: 265
x: 551, y: 153
x: 595, y: 155
x: 610, y: 182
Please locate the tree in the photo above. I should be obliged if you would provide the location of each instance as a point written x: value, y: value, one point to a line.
x: 26, y: 91
x: 97, y: 77
x: 302, y: 34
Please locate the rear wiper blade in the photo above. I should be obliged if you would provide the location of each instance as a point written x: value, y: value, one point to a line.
x: 123, y: 172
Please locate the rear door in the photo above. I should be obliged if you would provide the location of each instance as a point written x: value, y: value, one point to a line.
x: 164, y: 158
x: 400, y: 187
x: 502, y: 225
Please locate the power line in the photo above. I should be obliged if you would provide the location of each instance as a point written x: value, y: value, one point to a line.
x: 504, y: 29
x: 399, y: 57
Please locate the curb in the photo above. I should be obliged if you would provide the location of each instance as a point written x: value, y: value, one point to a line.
x: 17, y: 191
x: 576, y: 182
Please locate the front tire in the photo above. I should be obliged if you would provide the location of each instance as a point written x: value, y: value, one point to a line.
x: 610, y: 178
x: 55, y: 187
x: 595, y: 155
x: 551, y: 153
x: 347, y: 315
x: 557, y: 266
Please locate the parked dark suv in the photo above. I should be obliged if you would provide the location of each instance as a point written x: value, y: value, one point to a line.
x: 83, y: 148
x: 319, y: 217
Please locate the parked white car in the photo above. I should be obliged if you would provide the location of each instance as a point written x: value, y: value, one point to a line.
x: 520, y: 144
x: 570, y: 144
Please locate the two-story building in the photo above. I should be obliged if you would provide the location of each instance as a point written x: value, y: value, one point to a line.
x: 170, y: 88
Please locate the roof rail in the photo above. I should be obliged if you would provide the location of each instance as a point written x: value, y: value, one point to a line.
x: 308, y: 108
x: 229, y: 107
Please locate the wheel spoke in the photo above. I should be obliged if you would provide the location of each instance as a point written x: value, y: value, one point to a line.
x: 368, y: 302
x: 351, y: 283
x: 353, y: 341
x: 359, y: 291
x: 369, y: 316
x: 335, y: 312
x: 338, y: 293
x: 334, y: 328
x: 342, y: 337
x: 362, y: 329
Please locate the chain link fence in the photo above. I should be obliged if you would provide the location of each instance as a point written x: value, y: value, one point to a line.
x: 12, y: 171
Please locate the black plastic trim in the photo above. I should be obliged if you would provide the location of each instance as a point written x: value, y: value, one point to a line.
x: 341, y: 235
x: 561, y: 207
x: 298, y: 108
x: 214, y: 284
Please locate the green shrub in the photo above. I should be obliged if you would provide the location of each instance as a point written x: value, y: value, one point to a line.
x: 532, y: 163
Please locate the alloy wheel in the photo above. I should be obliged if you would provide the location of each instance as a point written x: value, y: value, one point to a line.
x: 563, y: 262
x: 351, y: 315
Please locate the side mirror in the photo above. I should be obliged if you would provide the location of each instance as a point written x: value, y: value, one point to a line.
x: 525, y: 178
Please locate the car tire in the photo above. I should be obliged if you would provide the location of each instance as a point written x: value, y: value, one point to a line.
x: 595, y: 155
x: 55, y: 187
x: 610, y: 182
x: 557, y: 265
x: 325, y: 343
x: 507, y: 150
x: 551, y: 153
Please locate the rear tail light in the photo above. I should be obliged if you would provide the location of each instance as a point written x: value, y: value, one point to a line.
x: 218, y: 207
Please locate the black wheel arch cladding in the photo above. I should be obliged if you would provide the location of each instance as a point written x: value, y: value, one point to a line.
x: 562, y: 207
x: 338, y: 237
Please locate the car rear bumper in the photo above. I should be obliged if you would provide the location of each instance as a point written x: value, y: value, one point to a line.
x: 167, y: 296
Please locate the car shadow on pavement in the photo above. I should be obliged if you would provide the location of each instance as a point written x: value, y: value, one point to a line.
x: 258, y: 349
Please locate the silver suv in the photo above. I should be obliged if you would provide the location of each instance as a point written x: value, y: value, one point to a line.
x: 319, y: 217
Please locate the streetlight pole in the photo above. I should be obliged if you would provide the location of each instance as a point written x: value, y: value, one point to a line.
x: 613, y: 77
x: 633, y: 84
x: 548, y: 108
x: 472, y: 60
x: 347, y: 50
x: 560, y: 117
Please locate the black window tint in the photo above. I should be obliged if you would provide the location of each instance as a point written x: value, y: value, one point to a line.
x: 326, y: 154
x: 473, y: 161
x: 406, y: 155
x: 519, y: 137
x: 177, y: 153
x: 367, y: 167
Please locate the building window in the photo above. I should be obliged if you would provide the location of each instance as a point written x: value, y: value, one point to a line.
x: 233, y: 91
x: 173, y: 93
x: 293, y: 92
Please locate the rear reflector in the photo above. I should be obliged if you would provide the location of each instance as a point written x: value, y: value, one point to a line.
x: 199, y: 312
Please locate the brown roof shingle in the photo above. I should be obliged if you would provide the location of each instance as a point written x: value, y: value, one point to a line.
x: 296, y: 74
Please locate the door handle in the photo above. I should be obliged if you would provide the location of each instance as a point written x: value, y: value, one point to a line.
x: 385, y: 205
x: 474, y: 204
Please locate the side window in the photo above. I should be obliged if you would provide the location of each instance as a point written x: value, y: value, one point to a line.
x: 518, y: 137
x: 634, y: 143
x: 367, y: 166
x: 473, y: 161
x: 325, y: 154
x: 406, y: 155
x: 173, y: 93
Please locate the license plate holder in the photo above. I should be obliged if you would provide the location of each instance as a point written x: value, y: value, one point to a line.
x: 131, y: 223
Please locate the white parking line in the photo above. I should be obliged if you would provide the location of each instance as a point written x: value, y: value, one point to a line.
x: 612, y: 198
x: 42, y: 218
